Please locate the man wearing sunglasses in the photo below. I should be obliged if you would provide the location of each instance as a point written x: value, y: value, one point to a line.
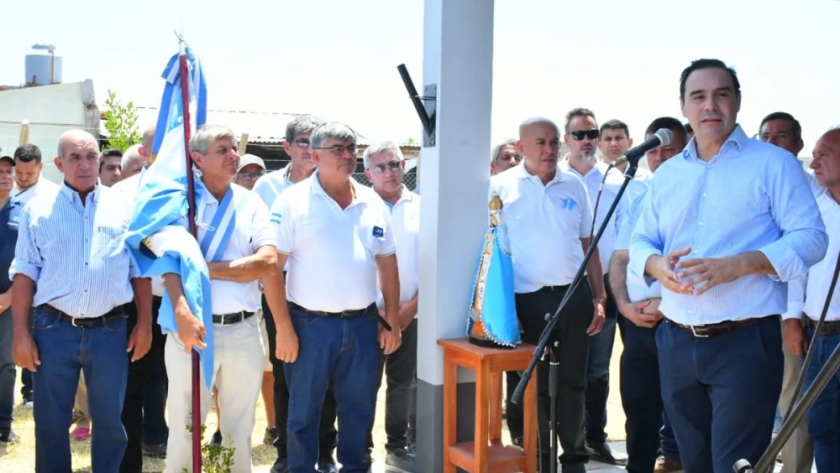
x: 297, y: 145
x: 385, y: 167
x: 582, y: 138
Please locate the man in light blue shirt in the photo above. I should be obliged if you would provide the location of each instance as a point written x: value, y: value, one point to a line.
x: 71, y: 244
x: 725, y: 226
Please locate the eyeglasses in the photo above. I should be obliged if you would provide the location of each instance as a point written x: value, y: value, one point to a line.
x: 302, y: 144
x: 339, y: 150
x: 380, y: 168
x: 250, y: 175
x: 591, y: 134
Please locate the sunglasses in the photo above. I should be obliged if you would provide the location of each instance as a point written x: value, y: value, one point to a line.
x: 580, y: 134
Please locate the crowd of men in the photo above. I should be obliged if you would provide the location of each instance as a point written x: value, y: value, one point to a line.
x: 713, y: 270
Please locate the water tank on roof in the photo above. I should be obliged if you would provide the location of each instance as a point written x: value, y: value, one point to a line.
x: 43, y: 67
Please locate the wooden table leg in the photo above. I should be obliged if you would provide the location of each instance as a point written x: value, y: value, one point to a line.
x: 496, y: 401
x: 530, y: 421
x: 450, y: 405
x: 482, y: 404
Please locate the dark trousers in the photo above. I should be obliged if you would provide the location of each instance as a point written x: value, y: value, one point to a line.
x: 65, y: 350
x: 7, y: 370
x: 514, y: 416
x: 400, y: 369
x: 646, y: 425
x: 824, y: 415
x: 26, y: 384
x: 142, y: 375
x: 598, y: 374
x: 721, y: 392
x: 346, y: 352
x: 572, y: 351
x: 328, y: 434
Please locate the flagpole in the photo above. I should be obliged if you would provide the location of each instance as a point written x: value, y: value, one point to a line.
x: 196, y: 366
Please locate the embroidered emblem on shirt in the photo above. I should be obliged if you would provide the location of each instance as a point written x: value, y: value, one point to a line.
x: 277, y: 218
x: 568, y: 204
x: 378, y: 232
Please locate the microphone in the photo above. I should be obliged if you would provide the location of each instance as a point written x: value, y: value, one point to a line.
x: 662, y: 137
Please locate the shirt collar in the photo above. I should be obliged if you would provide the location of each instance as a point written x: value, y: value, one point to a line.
x: 316, y: 188
x: 737, y: 138
x: 560, y: 176
x: 73, y: 195
x: 564, y: 164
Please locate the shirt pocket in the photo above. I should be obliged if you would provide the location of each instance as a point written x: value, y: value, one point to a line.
x: 110, y: 241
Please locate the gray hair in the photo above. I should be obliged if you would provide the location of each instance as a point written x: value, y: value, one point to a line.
x: 494, y: 155
x: 300, y: 125
x: 380, y: 147
x: 206, y: 135
x: 131, y: 154
x: 331, y: 130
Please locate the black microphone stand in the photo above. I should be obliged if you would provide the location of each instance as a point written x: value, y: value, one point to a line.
x: 539, y: 351
x: 797, y: 412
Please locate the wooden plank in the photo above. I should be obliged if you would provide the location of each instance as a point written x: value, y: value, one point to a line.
x: 24, y: 132
x: 243, y: 144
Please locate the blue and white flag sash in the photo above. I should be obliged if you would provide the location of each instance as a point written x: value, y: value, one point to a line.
x: 213, y: 241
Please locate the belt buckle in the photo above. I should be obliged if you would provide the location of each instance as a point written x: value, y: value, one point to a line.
x: 694, y: 331
x: 73, y: 322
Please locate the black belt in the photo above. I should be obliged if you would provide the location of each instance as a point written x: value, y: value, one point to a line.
x: 828, y: 328
x: 710, y: 330
x: 346, y: 314
x: 85, y: 322
x: 232, y: 318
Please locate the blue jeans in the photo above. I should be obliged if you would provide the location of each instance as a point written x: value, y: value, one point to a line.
x: 647, y: 426
x: 7, y: 370
x: 598, y: 376
x: 721, y: 392
x: 824, y: 415
x: 64, y: 351
x: 345, y: 351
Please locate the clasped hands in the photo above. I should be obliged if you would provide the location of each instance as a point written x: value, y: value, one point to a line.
x: 692, y: 276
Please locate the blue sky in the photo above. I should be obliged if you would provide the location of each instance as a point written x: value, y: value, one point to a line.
x: 337, y: 58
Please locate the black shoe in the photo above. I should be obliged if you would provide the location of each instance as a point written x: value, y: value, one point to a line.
x: 216, y: 441
x: 28, y: 399
x: 157, y: 451
x: 327, y: 465
x: 602, y: 453
x: 401, y: 459
x: 7, y: 436
x: 270, y: 435
x: 280, y: 466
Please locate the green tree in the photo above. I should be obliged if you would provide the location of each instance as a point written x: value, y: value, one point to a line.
x: 121, y: 123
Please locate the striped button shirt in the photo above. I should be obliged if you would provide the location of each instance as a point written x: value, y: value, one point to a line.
x: 751, y: 196
x: 76, y: 253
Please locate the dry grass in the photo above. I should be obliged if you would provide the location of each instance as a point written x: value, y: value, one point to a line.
x: 20, y: 458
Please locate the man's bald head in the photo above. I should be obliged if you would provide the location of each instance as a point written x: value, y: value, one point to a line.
x: 146, y: 143
x: 68, y: 138
x: 539, y: 143
x: 536, y: 122
x: 826, y: 162
x: 133, y: 161
x: 78, y: 160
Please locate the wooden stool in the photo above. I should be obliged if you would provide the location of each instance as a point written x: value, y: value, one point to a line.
x: 487, y: 454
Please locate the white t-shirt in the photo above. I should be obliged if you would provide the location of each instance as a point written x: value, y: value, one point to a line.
x: 40, y: 187
x: 251, y: 231
x: 332, y: 252
x: 269, y: 186
x: 405, y: 224
x: 545, y: 224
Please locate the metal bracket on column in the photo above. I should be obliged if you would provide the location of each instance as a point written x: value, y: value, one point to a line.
x: 425, y: 105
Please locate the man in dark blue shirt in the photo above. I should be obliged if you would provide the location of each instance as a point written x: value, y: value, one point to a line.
x: 9, y: 211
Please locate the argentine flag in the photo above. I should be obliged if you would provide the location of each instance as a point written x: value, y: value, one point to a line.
x: 158, y: 237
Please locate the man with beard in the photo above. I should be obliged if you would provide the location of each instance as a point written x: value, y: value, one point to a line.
x: 582, y: 138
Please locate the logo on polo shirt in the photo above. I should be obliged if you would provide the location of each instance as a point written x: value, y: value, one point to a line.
x: 276, y: 217
x: 568, y: 204
x: 378, y: 232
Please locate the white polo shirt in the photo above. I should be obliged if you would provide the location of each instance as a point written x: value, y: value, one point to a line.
x: 405, y: 224
x: 332, y: 252
x: 252, y: 230
x: 41, y: 187
x: 545, y: 224
x: 270, y: 185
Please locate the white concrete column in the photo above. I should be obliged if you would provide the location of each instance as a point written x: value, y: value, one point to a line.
x: 458, y: 58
